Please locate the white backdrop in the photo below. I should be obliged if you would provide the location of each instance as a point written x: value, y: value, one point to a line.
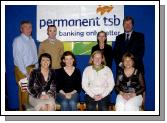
x: 80, y: 22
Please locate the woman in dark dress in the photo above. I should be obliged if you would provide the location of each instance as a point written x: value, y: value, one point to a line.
x: 129, y: 85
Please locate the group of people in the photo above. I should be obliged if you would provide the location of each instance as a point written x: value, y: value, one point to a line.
x: 54, y: 78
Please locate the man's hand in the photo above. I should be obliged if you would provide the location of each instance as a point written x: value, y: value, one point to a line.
x: 24, y: 89
x: 23, y: 84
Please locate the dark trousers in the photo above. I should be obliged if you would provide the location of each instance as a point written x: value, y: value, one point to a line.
x: 102, y: 104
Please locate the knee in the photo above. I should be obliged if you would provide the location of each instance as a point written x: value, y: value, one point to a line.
x: 64, y: 103
x: 131, y: 108
x: 51, y: 107
x: 72, y: 103
x: 43, y: 108
x: 119, y: 106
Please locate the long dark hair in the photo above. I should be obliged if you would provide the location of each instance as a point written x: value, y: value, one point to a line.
x: 105, y: 36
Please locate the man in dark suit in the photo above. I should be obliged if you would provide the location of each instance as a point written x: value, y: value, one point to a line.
x: 130, y: 41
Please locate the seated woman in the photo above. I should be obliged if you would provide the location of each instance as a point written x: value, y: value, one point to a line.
x: 130, y: 86
x: 68, y: 81
x: 41, y: 86
x: 97, y: 82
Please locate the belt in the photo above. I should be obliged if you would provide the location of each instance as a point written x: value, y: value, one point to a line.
x: 31, y: 65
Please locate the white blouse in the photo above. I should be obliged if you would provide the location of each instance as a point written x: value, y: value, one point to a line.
x: 97, y: 83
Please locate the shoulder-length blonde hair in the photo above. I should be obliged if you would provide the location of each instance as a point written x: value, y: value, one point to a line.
x: 93, y: 54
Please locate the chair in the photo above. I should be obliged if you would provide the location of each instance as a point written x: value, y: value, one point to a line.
x: 81, y: 106
x: 142, y: 108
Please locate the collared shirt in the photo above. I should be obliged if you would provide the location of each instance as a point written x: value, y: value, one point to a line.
x: 129, y: 35
x: 97, y: 83
x: 52, y: 39
x: 24, y: 52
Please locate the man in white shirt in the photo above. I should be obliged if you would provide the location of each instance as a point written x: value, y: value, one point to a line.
x: 25, y: 58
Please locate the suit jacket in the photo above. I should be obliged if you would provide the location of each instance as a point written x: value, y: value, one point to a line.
x: 135, y: 46
x: 107, y: 51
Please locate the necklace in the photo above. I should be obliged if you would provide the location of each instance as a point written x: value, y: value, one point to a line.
x: 128, y: 72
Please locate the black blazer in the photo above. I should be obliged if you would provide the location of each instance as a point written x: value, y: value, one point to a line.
x: 107, y: 51
x: 135, y: 45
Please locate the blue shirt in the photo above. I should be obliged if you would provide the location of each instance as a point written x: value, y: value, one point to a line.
x: 24, y: 52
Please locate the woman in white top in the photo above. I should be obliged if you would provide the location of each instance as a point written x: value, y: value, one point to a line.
x: 97, y: 82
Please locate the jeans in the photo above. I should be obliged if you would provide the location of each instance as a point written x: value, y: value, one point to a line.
x: 102, y: 104
x: 68, y: 104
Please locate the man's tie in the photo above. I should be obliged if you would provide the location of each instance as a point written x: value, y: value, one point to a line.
x: 127, y: 38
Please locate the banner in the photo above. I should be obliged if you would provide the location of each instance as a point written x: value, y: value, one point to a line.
x: 80, y: 22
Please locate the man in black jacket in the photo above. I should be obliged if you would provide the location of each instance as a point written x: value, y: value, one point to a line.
x: 130, y: 41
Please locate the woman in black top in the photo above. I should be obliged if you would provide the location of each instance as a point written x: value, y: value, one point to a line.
x: 130, y: 86
x: 41, y: 86
x: 68, y: 80
x: 104, y: 48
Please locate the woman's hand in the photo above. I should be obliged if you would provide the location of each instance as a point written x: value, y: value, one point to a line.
x: 44, y: 96
x: 132, y: 95
x: 68, y: 95
x: 127, y: 96
x: 97, y: 97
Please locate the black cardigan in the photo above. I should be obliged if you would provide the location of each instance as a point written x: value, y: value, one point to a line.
x: 68, y: 83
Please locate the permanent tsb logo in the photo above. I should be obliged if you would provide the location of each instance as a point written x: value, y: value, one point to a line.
x: 104, y: 9
x: 81, y: 22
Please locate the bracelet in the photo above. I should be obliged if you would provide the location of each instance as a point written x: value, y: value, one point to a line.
x: 43, y: 93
